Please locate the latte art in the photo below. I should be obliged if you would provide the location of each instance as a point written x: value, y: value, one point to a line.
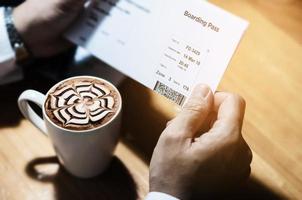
x: 81, y: 104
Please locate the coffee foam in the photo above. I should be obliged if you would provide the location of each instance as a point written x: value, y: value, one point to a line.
x: 82, y: 104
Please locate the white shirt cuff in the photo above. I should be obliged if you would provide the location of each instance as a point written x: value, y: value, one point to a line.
x: 159, y: 196
x: 8, y: 70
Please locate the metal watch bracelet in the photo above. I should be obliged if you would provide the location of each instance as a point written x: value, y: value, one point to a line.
x: 23, y: 55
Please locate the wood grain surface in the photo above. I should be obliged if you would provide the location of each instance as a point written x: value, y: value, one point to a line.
x: 266, y: 70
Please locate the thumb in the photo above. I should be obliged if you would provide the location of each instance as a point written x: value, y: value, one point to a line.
x: 194, y: 113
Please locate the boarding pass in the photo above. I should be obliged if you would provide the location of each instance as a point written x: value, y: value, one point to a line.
x: 167, y: 45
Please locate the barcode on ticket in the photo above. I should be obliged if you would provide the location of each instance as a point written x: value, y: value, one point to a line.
x: 169, y: 93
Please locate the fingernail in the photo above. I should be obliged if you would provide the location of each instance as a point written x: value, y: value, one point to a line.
x: 202, y: 90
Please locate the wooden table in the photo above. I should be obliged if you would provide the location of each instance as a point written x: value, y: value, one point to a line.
x: 266, y: 71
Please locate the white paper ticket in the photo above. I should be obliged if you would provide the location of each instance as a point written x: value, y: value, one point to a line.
x: 168, y: 46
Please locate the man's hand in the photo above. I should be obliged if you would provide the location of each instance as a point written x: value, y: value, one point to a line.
x: 42, y: 23
x: 202, y: 148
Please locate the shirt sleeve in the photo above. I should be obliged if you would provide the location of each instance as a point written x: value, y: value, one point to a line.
x: 159, y: 196
x: 9, y: 71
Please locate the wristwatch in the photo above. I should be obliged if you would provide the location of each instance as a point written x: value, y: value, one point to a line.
x: 23, y: 55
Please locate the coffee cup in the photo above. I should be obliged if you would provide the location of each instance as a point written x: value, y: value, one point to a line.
x: 84, y: 146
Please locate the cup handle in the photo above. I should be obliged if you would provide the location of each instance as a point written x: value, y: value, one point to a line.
x: 37, y: 98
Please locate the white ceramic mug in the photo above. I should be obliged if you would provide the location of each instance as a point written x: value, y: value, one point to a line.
x: 85, y: 153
